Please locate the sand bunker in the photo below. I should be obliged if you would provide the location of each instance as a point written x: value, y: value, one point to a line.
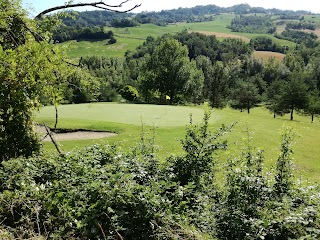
x: 76, y: 135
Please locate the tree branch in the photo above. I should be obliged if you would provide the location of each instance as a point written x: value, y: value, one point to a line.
x: 101, y: 5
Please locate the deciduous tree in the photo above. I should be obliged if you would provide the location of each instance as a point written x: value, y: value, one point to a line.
x: 168, y: 69
x: 245, y: 95
x: 294, y: 96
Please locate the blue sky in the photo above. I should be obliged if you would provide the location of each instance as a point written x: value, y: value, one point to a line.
x: 150, y: 5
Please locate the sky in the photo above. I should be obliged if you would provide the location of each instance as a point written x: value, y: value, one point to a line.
x: 156, y: 5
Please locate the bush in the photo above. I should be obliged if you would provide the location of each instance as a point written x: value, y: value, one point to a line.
x: 255, y: 206
x: 112, y: 40
x: 102, y: 192
x: 129, y: 93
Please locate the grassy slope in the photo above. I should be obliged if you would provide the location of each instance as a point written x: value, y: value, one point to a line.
x: 135, y: 36
x: 170, y: 122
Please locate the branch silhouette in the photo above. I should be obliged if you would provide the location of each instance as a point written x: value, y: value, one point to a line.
x: 100, y: 5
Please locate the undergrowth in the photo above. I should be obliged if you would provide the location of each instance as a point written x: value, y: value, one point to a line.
x: 104, y: 192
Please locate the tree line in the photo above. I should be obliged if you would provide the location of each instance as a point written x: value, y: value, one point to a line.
x: 301, y: 25
x: 252, y: 24
x: 65, y: 33
x: 164, y: 17
x: 262, y: 43
x: 299, y: 37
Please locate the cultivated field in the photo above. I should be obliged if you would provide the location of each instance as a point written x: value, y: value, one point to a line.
x: 265, y: 55
x: 169, y: 124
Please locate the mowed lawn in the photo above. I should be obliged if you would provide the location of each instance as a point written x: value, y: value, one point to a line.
x: 169, y: 124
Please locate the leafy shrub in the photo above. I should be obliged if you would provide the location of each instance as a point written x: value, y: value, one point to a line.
x: 112, y: 40
x: 199, y: 146
x: 255, y: 206
x: 102, y: 192
x: 129, y: 93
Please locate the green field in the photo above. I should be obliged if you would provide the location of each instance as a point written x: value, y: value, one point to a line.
x: 131, y: 38
x: 170, y: 121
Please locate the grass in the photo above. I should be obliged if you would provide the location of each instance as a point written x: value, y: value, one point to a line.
x: 131, y: 38
x: 77, y: 49
x: 169, y: 123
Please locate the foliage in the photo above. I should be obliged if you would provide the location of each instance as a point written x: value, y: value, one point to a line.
x: 81, y: 88
x: 313, y: 107
x: 103, y: 192
x: 124, y: 23
x: 26, y: 72
x: 267, y: 44
x: 65, y: 33
x: 168, y: 70
x: 274, y: 94
x: 209, y: 46
x: 252, y: 24
x: 215, y: 81
x: 256, y: 207
x: 294, y: 96
x: 92, y: 18
x: 129, y: 93
x: 111, y: 75
x: 309, y: 39
x: 244, y: 96
x: 301, y: 25
x: 199, y: 146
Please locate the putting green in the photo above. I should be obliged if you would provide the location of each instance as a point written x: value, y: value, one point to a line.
x: 136, y: 114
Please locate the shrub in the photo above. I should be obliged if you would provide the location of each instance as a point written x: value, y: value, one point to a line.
x: 112, y: 40
x: 129, y: 93
x: 255, y: 206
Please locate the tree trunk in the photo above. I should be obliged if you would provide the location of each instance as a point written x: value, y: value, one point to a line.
x: 291, y: 115
x: 312, y: 117
x: 56, y: 123
x: 274, y: 114
x: 248, y: 110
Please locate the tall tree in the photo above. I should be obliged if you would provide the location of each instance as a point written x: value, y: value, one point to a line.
x: 313, y: 107
x: 195, y: 84
x: 215, y: 81
x: 294, y: 96
x: 245, y: 95
x: 168, y: 69
x: 274, y: 93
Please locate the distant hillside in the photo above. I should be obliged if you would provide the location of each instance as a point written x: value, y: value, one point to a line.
x: 195, y: 14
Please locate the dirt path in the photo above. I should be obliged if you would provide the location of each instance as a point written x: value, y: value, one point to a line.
x: 78, y: 135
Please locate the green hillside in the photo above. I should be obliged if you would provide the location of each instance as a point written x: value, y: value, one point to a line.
x: 131, y: 37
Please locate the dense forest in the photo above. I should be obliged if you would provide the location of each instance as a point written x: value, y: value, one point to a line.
x: 109, y: 192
